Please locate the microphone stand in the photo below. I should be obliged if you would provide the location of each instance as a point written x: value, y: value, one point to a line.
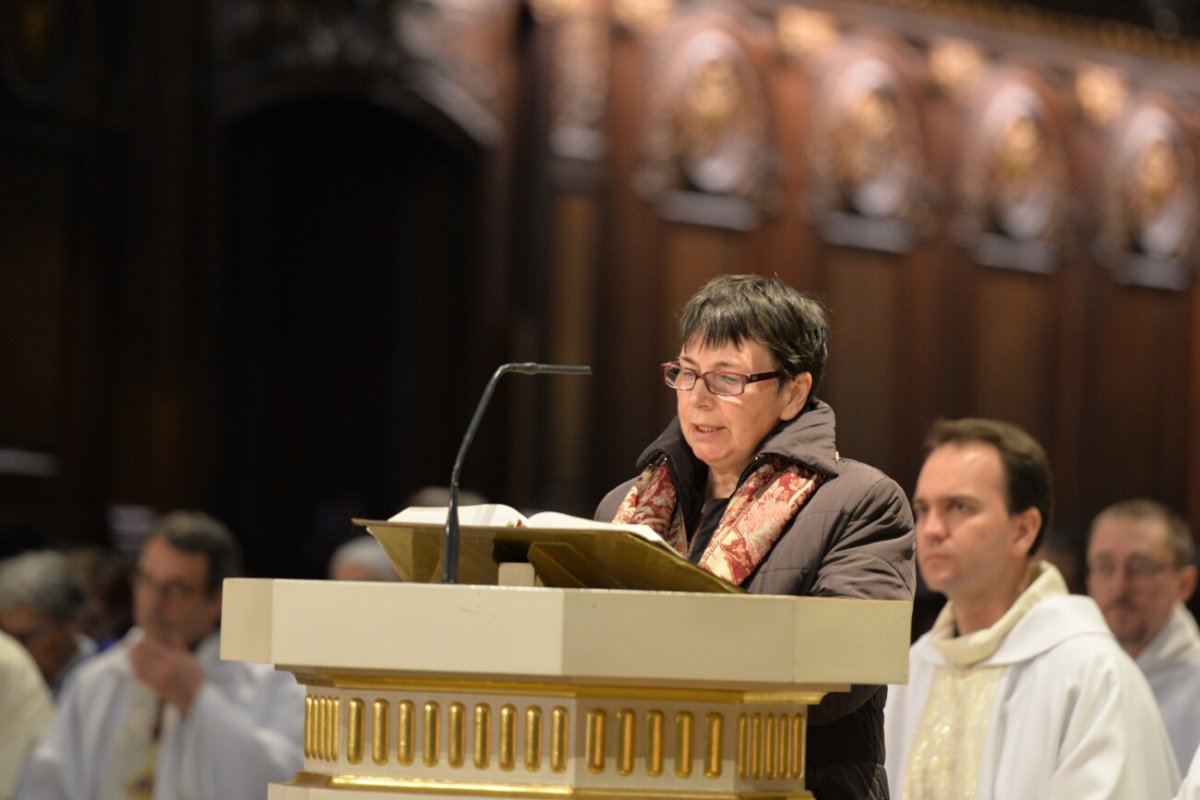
x: 452, y: 536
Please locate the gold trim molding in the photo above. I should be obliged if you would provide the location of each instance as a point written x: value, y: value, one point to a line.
x: 659, y: 745
x: 348, y: 681
x: 312, y: 780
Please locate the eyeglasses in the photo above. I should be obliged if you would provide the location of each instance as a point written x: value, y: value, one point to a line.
x: 726, y: 384
x: 171, y: 591
x: 1137, y: 570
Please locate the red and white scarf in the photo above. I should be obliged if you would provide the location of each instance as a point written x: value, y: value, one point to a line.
x: 757, y: 515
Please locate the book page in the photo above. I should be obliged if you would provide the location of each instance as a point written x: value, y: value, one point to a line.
x: 555, y: 519
x: 495, y: 515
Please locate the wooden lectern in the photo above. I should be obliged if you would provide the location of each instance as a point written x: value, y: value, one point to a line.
x: 439, y: 691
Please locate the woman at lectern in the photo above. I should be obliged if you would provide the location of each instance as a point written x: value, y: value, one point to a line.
x: 747, y: 482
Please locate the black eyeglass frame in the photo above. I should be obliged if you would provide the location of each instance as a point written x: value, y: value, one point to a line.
x: 745, y: 380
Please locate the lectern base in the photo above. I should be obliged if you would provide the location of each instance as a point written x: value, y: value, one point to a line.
x: 449, y: 739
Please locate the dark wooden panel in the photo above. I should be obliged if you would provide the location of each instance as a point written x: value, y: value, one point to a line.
x: 56, y: 238
x: 344, y: 379
x: 1192, y: 506
x: 630, y: 300
x: 1016, y: 337
x: 1135, y: 399
x: 35, y: 199
x: 692, y: 257
x: 862, y: 379
x: 566, y: 440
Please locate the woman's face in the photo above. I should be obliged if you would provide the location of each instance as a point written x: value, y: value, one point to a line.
x: 724, y: 432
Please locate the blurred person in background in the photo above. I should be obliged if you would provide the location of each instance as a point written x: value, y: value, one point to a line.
x: 42, y: 606
x: 160, y: 715
x: 1140, y: 571
x: 361, y: 559
x: 109, y: 614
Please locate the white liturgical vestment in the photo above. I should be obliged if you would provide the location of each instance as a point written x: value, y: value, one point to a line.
x: 1171, y: 663
x: 25, y: 711
x: 244, y: 730
x: 1191, y: 784
x: 1056, y: 710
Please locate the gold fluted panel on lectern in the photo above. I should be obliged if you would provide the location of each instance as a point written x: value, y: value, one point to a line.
x: 654, y: 743
x: 456, y: 735
x: 355, y: 731
x: 431, y: 734
x: 406, y: 727
x: 626, y: 741
x: 380, y: 731
x: 559, y: 741
x: 508, y: 737
x: 533, y: 738
x: 683, y: 738
x: 483, y: 736
x: 714, y: 744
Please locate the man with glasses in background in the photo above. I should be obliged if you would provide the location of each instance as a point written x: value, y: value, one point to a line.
x: 1141, y: 571
x: 159, y: 715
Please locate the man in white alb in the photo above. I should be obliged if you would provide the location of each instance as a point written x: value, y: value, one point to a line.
x: 1019, y: 690
x: 1140, y: 572
x: 159, y: 715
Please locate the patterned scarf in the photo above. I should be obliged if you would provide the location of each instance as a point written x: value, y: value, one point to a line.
x: 757, y: 515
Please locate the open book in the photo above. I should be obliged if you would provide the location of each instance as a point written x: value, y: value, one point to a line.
x: 564, y: 550
x: 500, y: 515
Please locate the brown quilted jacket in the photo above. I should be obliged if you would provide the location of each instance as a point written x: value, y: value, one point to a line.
x: 852, y: 539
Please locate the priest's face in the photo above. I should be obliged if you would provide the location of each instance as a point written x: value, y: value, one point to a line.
x: 970, y: 547
x: 1133, y: 577
x: 171, y: 598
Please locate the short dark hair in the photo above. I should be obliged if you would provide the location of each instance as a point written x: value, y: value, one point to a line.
x: 1179, y: 533
x: 197, y: 532
x: 1027, y: 479
x: 791, y: 325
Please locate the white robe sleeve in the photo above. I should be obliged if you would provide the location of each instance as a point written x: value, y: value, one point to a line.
x: 57, y: 768
x: 896, y: 734
x: 46, y: 776
x: 1113, y: 744
x: 234, y: 750
x: 1191, y: 784
x: 25, y: 711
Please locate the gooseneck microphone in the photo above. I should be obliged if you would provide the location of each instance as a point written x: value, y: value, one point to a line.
x: 451, y: 537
